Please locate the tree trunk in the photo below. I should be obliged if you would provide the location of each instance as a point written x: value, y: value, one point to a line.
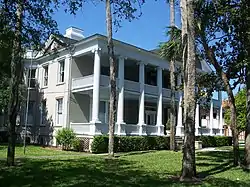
x: 172, y: 83
x: 15, y: 82
x: 188, y: 162
x: 247, y: 136
x: 112, y: 106
x: 211, y: 56
x: 233, y: 118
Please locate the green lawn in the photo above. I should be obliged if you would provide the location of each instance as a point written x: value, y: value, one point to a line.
x: 155, y: 168
x: 32, y: 150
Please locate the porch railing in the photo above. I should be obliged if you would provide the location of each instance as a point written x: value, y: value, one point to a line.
x: 80, y: 128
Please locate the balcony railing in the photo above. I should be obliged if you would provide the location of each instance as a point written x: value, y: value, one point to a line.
x: 86, y: 82
x: 151, y: 90
x: 82, y: 82
x: 131, y: 86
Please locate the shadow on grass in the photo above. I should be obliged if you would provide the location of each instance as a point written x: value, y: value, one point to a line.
x: 90, y: 172
x: 216, y: 162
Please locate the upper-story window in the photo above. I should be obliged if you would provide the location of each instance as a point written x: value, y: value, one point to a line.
x: 45, y: 75
x: 31, y: 78
x: 61, y: 71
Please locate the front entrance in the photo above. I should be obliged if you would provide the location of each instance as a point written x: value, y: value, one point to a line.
x: 150, y: 117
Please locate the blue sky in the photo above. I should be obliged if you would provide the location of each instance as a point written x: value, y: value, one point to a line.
x: 146, y: 32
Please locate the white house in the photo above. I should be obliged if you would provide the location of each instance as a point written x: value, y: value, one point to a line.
x: 70, y: 88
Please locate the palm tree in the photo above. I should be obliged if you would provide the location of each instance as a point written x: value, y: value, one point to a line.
x: 112, y: 107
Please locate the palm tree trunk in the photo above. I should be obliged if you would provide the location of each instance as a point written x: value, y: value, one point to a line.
x: 172, y: 83
x: 247, y: 138
x: 188, y: 162
x: 15, y: 81
x: 112, y: 108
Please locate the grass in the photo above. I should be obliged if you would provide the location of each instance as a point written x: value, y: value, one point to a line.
x: 155, y: 168
x: 33, y: 150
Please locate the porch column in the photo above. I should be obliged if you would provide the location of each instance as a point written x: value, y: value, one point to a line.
x: 141, y: 122
x: 211, y: 117
x: 221, y: 120
x: 197, y: 119
x: 159, y: 104
x: 96, y: 87
x: 120, y: 105
x: 179, y: 115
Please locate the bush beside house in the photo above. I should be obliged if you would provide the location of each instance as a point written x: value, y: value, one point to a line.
x: 130, y: 143
x: 214, y: 141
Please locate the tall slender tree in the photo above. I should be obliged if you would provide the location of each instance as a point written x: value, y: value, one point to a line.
x: 112, y: 62
x: 30, y: 23
x: 172, y: 83
x: 15, y: 82
x: 116, y: 11
x: 189, y: 71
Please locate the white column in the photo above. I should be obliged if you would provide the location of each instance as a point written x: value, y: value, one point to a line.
x: 211, y: 117
x: 197, y: 119
x: 120, y: 105
x: 141, y: 99
x: 96, y: 87
x: 179, y: 115
x: 68, y: 64
x: 159, y: 104
x: 221, y: 120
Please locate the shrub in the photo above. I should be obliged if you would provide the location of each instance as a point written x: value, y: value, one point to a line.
x: 100, y: 144
x: 76, y: 144
x: 65, y: 138
x: 130, y: 143
x: 215, y: 141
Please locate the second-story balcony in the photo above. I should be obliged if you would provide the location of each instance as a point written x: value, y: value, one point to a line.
x: 86, y: 83
x: 83, y: 76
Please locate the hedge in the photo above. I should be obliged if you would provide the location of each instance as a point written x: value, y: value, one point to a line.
x: 130, y: 143
x: 215, y: 141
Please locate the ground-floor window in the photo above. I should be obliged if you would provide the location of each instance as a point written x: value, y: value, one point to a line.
x: 59, y: 109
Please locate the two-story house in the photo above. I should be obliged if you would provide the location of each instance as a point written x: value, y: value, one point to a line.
x: 69, y: 87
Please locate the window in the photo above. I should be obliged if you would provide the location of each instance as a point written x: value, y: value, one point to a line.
x: 31, y: 78
x: 45, y: 75
x: 61, y: 70
x: 59, y: 107
x: 43, y: 112
x: 31, y: 113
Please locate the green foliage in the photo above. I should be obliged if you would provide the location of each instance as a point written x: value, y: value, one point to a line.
x: 240, y: 102
x: 130, y: 143
x: 172, y: 49
x: 65, y: 137
x: 215, y: 141
x: 76, y: 144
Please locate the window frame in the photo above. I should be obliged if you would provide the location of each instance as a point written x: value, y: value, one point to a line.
x: 43, y: 109
x: 59, y: 112
x: 61, y: 71
x: 45, y: 75
x: 30, y: 78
